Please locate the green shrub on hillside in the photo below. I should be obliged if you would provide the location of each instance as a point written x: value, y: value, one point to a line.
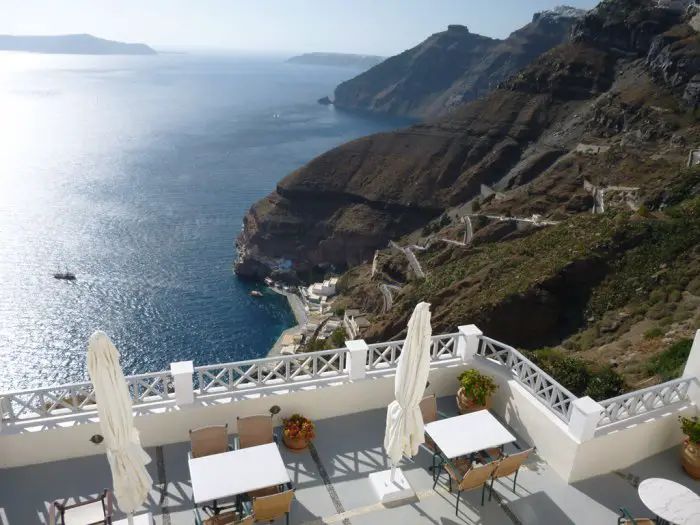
x: 578, y: 376
x: 670, y: 363
x: 654, y: 333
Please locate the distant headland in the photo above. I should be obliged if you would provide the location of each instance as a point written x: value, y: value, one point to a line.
x: 338, y: 60
x: 72, y: 45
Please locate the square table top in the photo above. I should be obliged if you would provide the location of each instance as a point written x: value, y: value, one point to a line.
x: 468, y: 433
x: 236, y: 472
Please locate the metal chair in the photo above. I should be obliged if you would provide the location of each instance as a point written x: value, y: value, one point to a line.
x: 627, y: 519
x: 206, y: 441
x: 254, y: 430
x: 468, y: 476
x: 508, y: 465
x: 430, y: 413
x: 272, y: 503
x: 96, y: 511
x: 225, y: 518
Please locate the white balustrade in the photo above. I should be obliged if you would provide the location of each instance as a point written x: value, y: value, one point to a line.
x: 644, y: 401
x: 540, y: 384
x: 353, y: 363
x: 76, y: 398
x: 382, y: 356
x: 257, y: 373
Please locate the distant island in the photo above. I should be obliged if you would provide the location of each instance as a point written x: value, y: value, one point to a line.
x: 72, y: 45
x: 338, y: 60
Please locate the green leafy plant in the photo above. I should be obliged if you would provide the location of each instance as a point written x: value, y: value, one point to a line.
x: 691, y: 428
x: 477, y: 386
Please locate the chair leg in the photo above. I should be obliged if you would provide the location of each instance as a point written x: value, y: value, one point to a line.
x: 287, y: 518
x: 436, y: 476
x: 459, y: 492
x: 491, y: 489
x: 448, y: 474
x: 483, y: 492
x: 515, y: 479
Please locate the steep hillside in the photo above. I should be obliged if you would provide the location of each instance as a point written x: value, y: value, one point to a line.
x: 603, y: 123
x: 451, y: 68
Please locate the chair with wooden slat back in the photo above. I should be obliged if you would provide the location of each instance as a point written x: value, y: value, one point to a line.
x: 428, y: 409
x: 206, y: 441
x: 272, y: 503
x: 627, y: 519
x: 225, y: 518
x: 254, y: 431
x: 508, y: 465
x: 468, y: 476
x: 91, y: 512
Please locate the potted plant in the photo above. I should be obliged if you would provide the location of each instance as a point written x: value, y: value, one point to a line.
x: 690, y: 451
x: 475, y: 391
x: 297, y: 431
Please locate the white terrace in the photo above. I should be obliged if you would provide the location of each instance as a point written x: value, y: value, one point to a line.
x: 589, y: 456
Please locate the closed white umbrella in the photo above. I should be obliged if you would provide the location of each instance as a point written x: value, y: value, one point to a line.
x: 126, y: 458
x: 404, y: 423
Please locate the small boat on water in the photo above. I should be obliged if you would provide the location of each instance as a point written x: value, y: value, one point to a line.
x: 64, y: 276
x: 256, y: 293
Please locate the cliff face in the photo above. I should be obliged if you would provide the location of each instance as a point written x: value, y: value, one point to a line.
x: 451, y: 68
x: 625, y: 79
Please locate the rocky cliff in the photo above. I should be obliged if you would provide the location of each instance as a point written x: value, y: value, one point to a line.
x: 451, y: 68
x: 352, y: 200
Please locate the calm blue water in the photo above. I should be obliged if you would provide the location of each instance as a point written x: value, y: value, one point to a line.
x: 135, y: 173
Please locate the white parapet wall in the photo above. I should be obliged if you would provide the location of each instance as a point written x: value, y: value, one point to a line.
x: 578, y: 437
x: 628, y: 443
x: 165, y: 423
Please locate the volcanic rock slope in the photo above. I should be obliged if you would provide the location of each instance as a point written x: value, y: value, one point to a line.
x: 628, y: 73
x: 451, y: 68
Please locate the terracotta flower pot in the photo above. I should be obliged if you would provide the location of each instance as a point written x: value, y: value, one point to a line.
x: 295, y: 444
x: 466, y: 406
x: 690, y: 459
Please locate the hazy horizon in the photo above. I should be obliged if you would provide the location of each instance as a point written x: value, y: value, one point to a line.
x: 274, y: 26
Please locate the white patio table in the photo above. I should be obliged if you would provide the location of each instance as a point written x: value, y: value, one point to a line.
x: 236, y: 472
x: 670, y: 501
x: 469, y: 433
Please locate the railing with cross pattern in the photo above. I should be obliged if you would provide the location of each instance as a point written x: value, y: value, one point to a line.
x: 643, y: 401
x: 257, y: 373
x: 540, y: 384
x: 384, y: 356
x: 79, y: 397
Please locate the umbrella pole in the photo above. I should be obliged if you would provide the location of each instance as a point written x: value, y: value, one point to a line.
x: 130, y: 518
x: 393, y: 473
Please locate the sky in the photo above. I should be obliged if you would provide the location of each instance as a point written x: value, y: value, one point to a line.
x: 382, y: 27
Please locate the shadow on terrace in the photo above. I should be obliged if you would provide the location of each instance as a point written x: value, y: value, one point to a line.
x: 332, y: 486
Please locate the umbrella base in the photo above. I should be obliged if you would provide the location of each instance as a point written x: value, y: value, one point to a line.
x: 392, y: 493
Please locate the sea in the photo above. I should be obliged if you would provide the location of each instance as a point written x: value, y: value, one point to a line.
x: 134, y: 173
